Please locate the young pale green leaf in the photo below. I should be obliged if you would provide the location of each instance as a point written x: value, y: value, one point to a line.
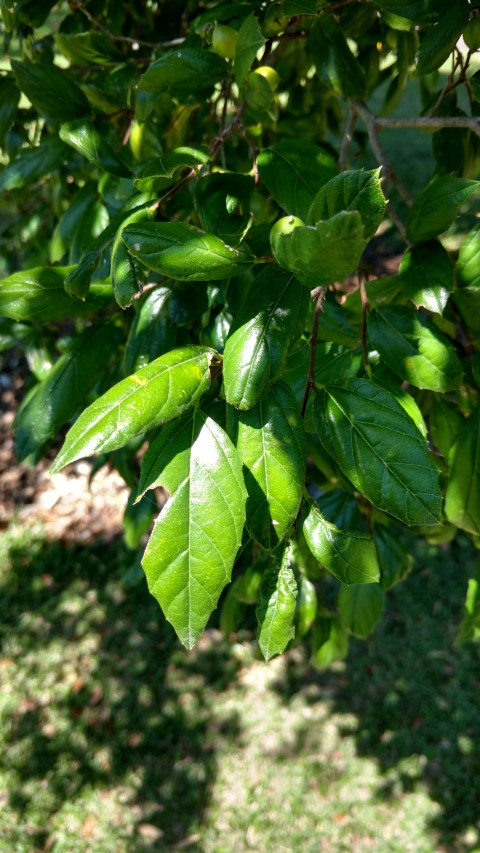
x: 152, y: 333
x: 330, y: 641
x: 322, y: 253
x: 360, y: 607
x: 276, y: 606
x: 271, y: 320
x: 469, y: 629
x: 435, y: 208
x: 39, y: 295
x: 34, y: 163
x: 183, y: 72
x: 249, y: 41
x: 161, y: 172
x: 50, y: 91
x: 349, y: 556
x: 83, y: 136
x: 411, y: 345
x: 427, y: 276
x: 345, y: 72
x: 355, y: 190
x: 462, y: 501
x: 190, y: 554
x: 439, y: 41
x: 184, y: 252
x: 394, y: 559
x: 468, y: 264
x: 52, y: 403
x: 379, y: 448
x: 293, y: 171
x: 306, y: 607
x: 157, y: 393
x: 270, y: 439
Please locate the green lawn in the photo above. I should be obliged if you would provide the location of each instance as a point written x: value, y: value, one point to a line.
x: 113, y: 738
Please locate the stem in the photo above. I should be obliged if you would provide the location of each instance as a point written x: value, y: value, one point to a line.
x: 319, y: 295
x: 347, y: 139
x: 432, y: 122
x: 364, y: 300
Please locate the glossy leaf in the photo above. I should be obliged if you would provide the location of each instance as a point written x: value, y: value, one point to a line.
x: 379, y: 448
x: 276, y: 606
x: 184, y: 71
x: 394, y: 559
x: 349, y: 556
x: 157, y: 393
x: 249, y: 41
x: 355, y: 190
x: 137, y: 519
x: 184, y: 252
x: 462, y: 501
x: 161, y: 172
x: 50, y: 90
x: 468, y: 264
x: 427, y: 276
x: 323, y: 253
x: 262, y: 334
x: 52, y: 403
x: 414, y: 349
x: 293, y: 171
x: 270, y: 440
x: 438, y: 42
x: 190, y: 554
x: 83, y: 136
x: 435, y: 208
x: 306, y: 607
x: 39, y: 295
x: 34, y: 163
x: 126, y: 273
x: 360, y: 607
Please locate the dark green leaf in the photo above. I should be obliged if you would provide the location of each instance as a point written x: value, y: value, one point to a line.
x: 356, y: 190
x: 427, y: 276
x: 435, y: 208
x: 413, y: 348
x: 71, y: 223
x: 445, y: 424
x: 468, y: 264
x: 83, y: 136
x: 276, y: 606
x: 348, y: 555
x: 249, y: 42
x: 361, y: 606
x: 152, y: 333
x: 157, y: 393
x: 462, y: 501
x: 51, y: 91
x: 184, y: 252
x: 183, y: 72
x: 34, y: 163
x: 221, y: 201
x: 271, y: 320
x: 439, y: 41
x: 293, y: 171
x: 420, y: 11
x: 87, y: 48
x: 190, y: 554
x: 39, y: 295
x: 344, y: 70
x: 9, y: 98
x: 137, y: 519
x: 395, y: 561
x: 160, y: 173
x: 270, y: 439
x: 379, y: 448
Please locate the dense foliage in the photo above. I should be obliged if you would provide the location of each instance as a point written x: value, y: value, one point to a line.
x: 184, y: 252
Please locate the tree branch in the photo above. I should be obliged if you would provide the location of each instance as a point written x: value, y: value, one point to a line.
x: 430, y: 122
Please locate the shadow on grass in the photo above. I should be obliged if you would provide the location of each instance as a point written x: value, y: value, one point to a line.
x: 97, y: 694
x: 415, y: 697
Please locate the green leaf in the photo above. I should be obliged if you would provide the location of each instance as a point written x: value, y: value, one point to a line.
x: 462, y: 501
x: 468, y: 264
x: 345, y: 72
x: 126, y: 273
x: 293, y: 171
x: 322, y: 253
x: 249, y: 41
x: 306, y: 607
x: 232, y: 612
x: 469, y: 630
x: 184, y: 72
x: 52, y: 403
x: 221, y: 201
x: 413, y: 348
x: 152, y: 333
x: 160, y: 173
x: 34, y: 163
x: 87, y: 48
x: 83, y: 136
x: 384, y: 379
x: 347, y: 555
x: 420, y: 11
x: 356, y: 190
x: 137, y: 519
x: 51, y: 91
x: 379, y: 448
x: 71, y: 224
x: 330, y: 641
x: 39, y: 295
x: 266, y: 327
x: 445, y: 423
x: 439, y: 41
x: 270, y: 440
x: 9, y: 98
x: 360, y: 607
x: 190, y: 554
x: 394, y: 559
x: 245, y: 587
x: 435, y: 208
x: 184, y: 252
x: 276, y: 606
x: 157, y: 393
x: 427, y: 276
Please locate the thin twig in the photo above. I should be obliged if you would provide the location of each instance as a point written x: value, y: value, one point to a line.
x: 431, y: 122
x: 347, y: 138
x: 319, y: 295
x: 371, y: 122
x: 223, y: 136
x: 76, y: 5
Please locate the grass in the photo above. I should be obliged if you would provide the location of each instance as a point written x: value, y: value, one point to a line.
x: 113, y: 738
